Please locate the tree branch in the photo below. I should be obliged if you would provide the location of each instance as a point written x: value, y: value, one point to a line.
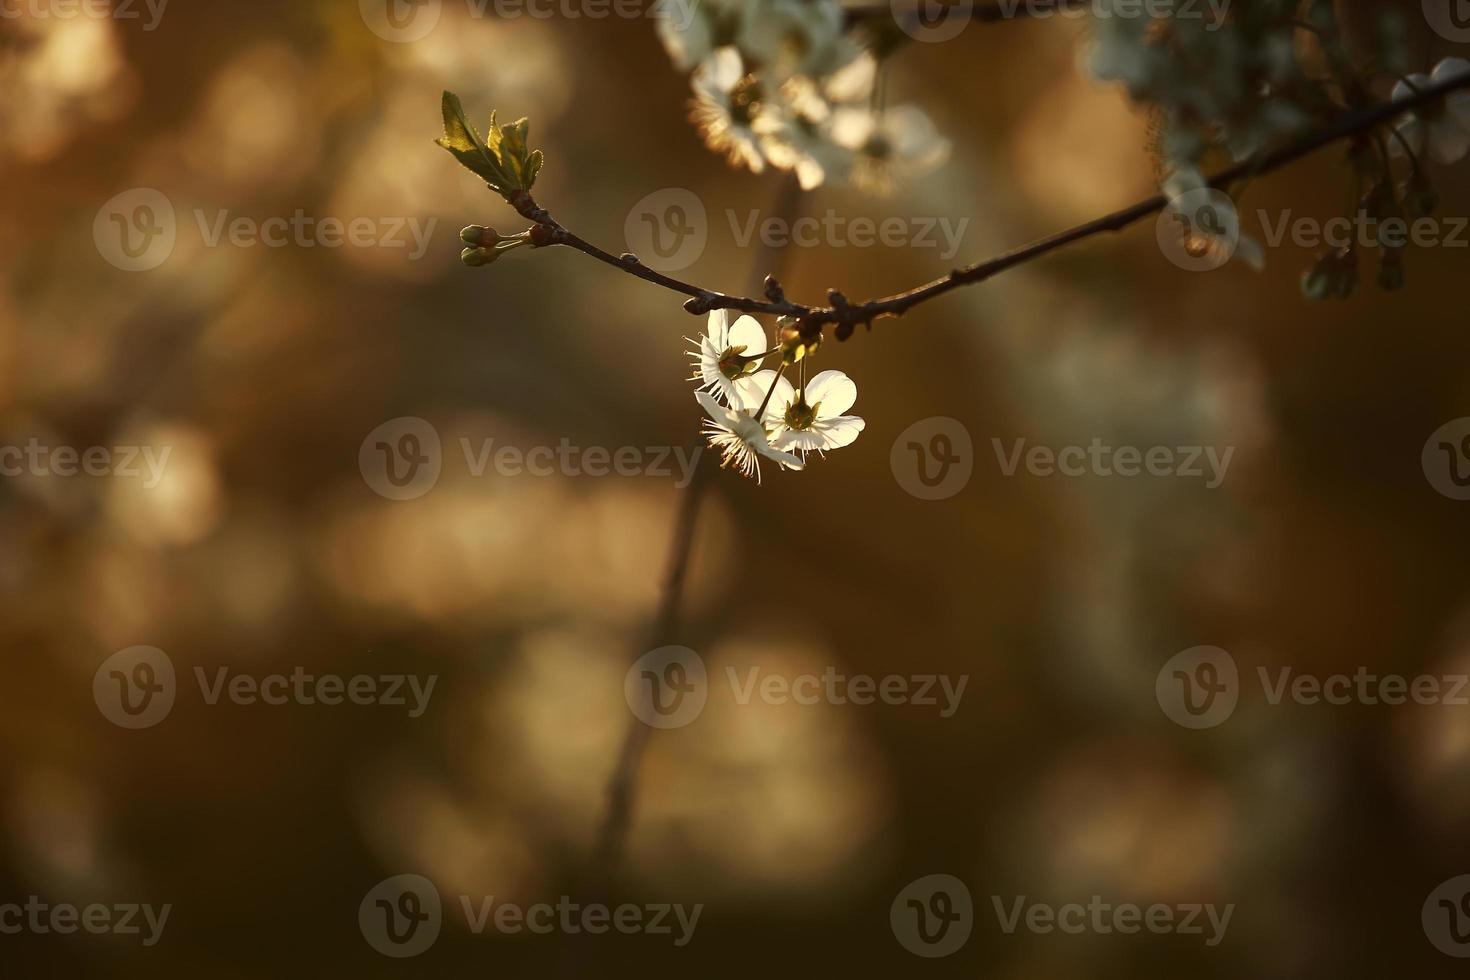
x: 845, y: 316
x: 986, y: 13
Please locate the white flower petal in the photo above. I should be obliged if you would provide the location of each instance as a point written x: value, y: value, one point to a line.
x: 722, y: 70
x: 852, y: 127
x: 753, y: 390
x: 1448, y: 143
x: 841, y: 431
x: 1410, y: 86
x: 1449, y: 68
x: 717, y: 329
x: 717, y: 412
x: 854, y: 83
x: 748, y: 333
x: 831, y: 393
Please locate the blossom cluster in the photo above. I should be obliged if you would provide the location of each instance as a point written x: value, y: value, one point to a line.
x: 1236, y: 83
x: 1264, y: 71
x: 757, y: 414
x: 785, y: 84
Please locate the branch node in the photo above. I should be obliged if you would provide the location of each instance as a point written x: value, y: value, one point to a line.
x: 702, y: 304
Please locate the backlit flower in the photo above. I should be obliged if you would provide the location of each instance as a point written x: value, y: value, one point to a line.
x: 726, y: 353
x: 812, y: 420
x: 900, y: 143
x: 740, y: 439
x: 726, y: 103
x: 1444, y: 124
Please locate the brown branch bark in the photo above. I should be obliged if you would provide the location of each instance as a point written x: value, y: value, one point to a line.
x: 845, y: 316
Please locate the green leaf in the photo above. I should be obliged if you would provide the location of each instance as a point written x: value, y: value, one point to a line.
x: 502, y: 158
x: 461, y: 140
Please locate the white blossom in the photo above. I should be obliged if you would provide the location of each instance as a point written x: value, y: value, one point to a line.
x: 900, y: 143
x: 726, y: 353
x: 740, y: 440
x: 1443, y: 126
x: 726, y: 103
x: 814, y: 419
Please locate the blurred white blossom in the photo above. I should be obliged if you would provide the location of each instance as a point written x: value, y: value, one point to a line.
x: 1442, y: 127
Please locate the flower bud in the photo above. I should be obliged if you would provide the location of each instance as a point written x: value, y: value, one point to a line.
x: 475, y: 257
x: 795, y: 345
x: 479, y: 235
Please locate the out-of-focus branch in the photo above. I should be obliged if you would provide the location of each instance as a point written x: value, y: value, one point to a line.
x: 980, y: 13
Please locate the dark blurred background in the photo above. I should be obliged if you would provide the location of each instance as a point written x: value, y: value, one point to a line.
x: 264, y: 549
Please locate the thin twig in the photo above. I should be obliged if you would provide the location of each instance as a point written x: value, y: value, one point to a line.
x: 847, y: 315
x: 986, y: 13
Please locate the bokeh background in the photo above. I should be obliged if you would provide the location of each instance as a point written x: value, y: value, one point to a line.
x: 264, y: 549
